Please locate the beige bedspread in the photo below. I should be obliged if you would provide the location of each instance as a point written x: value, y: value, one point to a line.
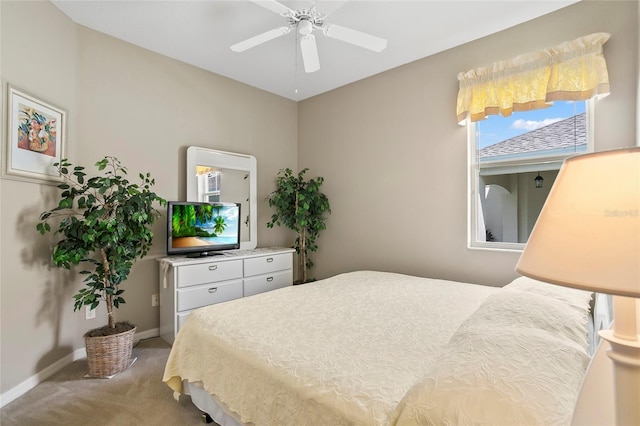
x: 344, y: 350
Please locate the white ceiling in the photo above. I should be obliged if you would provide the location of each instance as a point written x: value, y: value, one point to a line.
x: 200, y: 33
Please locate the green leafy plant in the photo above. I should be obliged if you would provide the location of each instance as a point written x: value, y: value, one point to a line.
x: 105, y: 223
x: 300, y: 206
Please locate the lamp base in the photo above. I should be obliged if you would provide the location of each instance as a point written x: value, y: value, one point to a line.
x: 625, y: 355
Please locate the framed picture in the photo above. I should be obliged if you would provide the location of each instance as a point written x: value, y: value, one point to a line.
x: 36, y: 137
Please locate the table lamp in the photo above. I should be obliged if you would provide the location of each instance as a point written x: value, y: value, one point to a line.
x: 588, y: 237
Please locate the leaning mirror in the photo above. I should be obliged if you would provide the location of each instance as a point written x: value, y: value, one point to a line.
x: 222, y: 176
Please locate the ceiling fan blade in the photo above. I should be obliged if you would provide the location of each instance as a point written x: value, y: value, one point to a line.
x: 309, y: 53
x: 358, y: 38
x: 275, y: 7
x: 260, y: 38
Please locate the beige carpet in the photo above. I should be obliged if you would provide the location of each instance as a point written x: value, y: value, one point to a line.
x: 136, y: 396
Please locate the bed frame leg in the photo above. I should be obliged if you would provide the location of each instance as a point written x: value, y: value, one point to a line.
x: 206, y: 418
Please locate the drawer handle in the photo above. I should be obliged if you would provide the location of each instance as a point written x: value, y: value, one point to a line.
x: 213, y: 289
x: 269, y: 279
x: 269, y: 259
x: 213, y: 267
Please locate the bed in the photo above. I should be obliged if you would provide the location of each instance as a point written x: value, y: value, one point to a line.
x: 376, y: 348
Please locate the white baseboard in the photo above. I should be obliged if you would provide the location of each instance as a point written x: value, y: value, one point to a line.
x: 42, y: 375
x: 147, y: 334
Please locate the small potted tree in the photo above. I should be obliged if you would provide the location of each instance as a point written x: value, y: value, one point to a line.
x: 300, y: 206
x: 105, y: 224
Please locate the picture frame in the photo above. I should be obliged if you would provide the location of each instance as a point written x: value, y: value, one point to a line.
x: 35, y: 140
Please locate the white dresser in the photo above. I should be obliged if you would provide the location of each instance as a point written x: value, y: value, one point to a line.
x: 187, y: 283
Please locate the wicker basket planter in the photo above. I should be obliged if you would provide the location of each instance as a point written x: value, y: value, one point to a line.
x: 109, y: 355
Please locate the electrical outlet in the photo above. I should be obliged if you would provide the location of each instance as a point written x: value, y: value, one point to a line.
x: 89, y: 313
x: 154, y: 300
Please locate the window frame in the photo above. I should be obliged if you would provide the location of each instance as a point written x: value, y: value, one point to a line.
x: 547, y: 162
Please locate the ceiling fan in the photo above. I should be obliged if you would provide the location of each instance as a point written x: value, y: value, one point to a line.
x: 305, y: 21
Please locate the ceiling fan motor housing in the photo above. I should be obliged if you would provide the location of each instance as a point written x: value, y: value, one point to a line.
x: 306, y: 20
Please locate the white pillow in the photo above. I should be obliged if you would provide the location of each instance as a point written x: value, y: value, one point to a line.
x: 518, y: 360
x: 569, y: 295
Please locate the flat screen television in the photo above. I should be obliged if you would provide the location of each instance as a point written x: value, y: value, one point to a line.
x: 198, y: 229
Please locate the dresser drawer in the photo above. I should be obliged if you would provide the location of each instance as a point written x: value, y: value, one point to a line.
x: 267, y: 264
x: 209, y: 294
x: 210, y: 272
x: 262, y: 283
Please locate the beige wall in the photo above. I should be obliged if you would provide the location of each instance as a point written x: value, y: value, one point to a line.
x: 145, y: 109
x: 395, y: 160
x: 37, y: 324
x: 393, y: 157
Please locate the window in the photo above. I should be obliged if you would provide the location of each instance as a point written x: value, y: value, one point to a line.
x: 508, y: 157
x: 208, y: 184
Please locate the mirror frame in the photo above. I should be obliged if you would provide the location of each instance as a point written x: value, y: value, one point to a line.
x: 227, y: 160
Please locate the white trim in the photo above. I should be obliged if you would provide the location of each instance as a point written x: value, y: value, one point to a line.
x: 497, y: 246
x: 42, y: 375
x: 154, y: 332
x: 521, y: 167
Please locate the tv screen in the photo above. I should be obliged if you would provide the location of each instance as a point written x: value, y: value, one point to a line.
x: 202, y: 229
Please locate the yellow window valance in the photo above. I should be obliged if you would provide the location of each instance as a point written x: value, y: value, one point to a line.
x: 573, y: 70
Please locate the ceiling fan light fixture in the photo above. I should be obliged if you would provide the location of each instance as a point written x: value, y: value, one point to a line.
x: 305, y: 27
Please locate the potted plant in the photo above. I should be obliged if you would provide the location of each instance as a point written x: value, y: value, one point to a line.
x: 105, y: 224
x: 300, y: 206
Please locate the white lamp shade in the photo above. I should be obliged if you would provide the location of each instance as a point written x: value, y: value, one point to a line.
x: 588, y: 233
